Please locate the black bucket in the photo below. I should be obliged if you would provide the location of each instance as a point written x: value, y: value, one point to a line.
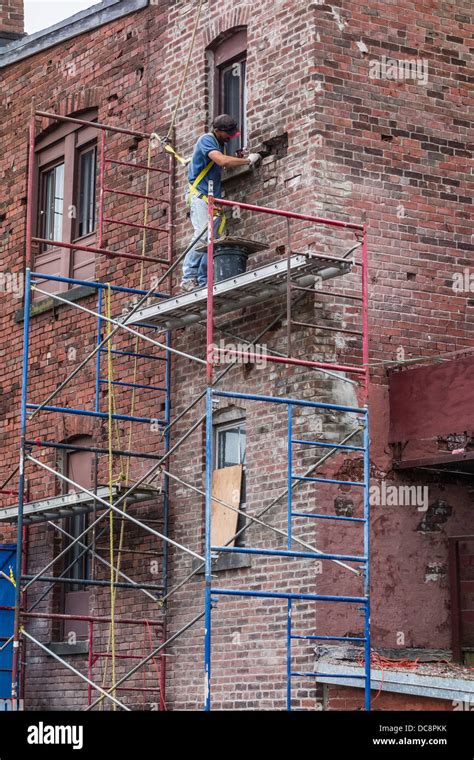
x: 229, y: 261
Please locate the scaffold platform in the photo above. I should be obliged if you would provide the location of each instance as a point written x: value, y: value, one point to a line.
x: 245, y: 289
x: 74, y: 503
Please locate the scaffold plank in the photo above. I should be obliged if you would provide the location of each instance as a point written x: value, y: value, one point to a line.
x: 245, y: 289
x: 74, y: 503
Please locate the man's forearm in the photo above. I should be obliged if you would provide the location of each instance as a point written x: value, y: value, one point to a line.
x: 230, y: 161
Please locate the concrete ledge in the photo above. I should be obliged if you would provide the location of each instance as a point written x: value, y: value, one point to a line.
x: 48, y: 304
x: 400, y: 681
x: 227, y: 561
x: 63, y: 649
x: 235, y: 173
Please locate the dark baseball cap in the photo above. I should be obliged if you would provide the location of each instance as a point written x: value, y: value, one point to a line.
x: 227, y: 124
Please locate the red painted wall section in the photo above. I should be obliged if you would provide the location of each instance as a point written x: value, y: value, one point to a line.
x: 431, y: 401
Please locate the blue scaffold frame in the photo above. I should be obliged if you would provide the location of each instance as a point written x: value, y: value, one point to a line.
x: 213, y: 592
x: 25, y: 445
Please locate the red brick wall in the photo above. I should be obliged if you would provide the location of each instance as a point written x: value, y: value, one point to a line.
x: 391, y: 154
x: 345, y: 698
x: 12, y: 16
x: 103, y: 70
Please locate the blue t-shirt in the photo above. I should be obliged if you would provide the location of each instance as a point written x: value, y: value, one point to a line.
x: 200, y: 159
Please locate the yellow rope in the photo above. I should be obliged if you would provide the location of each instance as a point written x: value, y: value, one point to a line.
x: 125, y: 476
x: 110, y: 403
x: 121, y: 477
x: 180, y: 94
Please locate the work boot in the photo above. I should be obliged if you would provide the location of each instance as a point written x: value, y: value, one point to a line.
x: 188, y: 285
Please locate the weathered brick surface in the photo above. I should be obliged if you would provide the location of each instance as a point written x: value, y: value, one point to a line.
x: 351, y: 699
x: 11, y: 17
x: 392, y: 154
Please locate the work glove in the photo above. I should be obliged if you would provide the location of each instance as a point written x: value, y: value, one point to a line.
x: 254, y: 158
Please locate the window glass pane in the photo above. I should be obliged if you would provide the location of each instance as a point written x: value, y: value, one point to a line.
x: 87, y: 200
x: 53, y: 201
x: 243, y: 121
x: 232, y: 99
x: 230, y: 446
x: 47, y: 196
x: 242, y: 442
x: 58, y: 200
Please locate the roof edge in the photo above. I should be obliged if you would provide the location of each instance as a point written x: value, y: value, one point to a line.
x: 90, y: 18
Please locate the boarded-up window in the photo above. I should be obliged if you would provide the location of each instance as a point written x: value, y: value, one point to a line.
x: 228, y: 481
x: 226, y: 485
x: 461, y: 556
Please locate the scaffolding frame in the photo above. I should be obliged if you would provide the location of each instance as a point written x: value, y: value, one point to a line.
x: 212, y: 593
x: 25, y: 444
x: 328, y: 368
x: 93, y: 498
x: 362, y: 372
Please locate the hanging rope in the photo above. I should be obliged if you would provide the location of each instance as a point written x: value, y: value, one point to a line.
x: 110, y: 402
x: 181, y: 89
x: 124, y: 475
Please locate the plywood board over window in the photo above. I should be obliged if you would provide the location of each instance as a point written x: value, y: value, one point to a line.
x: 226, y: 486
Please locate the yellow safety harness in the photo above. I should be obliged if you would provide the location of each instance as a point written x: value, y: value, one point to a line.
x: 169, y: 149
x: 194, y: 191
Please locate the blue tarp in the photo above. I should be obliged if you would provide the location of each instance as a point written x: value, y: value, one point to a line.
x: 7, y: 598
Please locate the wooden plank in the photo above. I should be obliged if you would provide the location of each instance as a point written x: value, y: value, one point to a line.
x: 226, y: 485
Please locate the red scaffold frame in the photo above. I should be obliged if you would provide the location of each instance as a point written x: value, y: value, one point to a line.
x: 361, y: 371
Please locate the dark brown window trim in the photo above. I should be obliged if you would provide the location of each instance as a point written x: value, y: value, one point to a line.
x: 65, y: 144
x: 228, y: 49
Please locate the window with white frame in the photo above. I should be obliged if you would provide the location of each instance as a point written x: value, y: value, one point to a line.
x: 230, y: 444
x: 230, y: 449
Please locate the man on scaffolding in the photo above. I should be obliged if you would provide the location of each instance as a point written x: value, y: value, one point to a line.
x: 205, y: 166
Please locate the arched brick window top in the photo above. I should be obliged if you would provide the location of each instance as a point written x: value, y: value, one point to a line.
x: 229, y: 45
x: 228, y: 80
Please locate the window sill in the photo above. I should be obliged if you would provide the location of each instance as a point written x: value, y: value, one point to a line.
x: 48, y: 304
x: 398, y: 680
x: 62, y: 648
x: 227, y: 561
x: 238, y: 171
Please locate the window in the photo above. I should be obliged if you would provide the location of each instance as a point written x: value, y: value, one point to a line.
x: 66, y: 159
x: 52, y: 193
x: 230, y: 83
x: 461, y: 576
x: 230, y: 444
x: 87, y: 194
